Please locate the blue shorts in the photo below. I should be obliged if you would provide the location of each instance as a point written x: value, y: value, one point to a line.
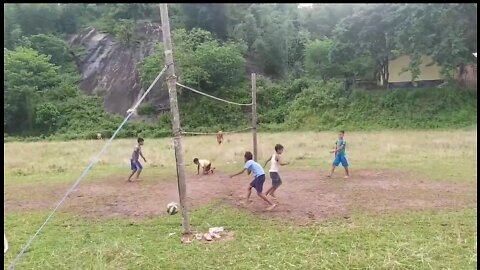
x: 135, y: 165
x: 276, y: 180
x: 257, y: 183
x: 341, y: 159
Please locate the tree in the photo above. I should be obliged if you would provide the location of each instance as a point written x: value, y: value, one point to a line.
x: 447, y: 32
x: 11, y: 29
x: 321, y: 19
x: 26, y: 67
x: 210, y: 17
x: 46, y: 117
x: 317, y: 60
x: 37, y: 18
x: 28, y: 74
x: 201, y: 61
x: 247, y: 30
x: 372, y: 30
x: 223, y: 63
x: 125, y: 31
x: 55, y: 47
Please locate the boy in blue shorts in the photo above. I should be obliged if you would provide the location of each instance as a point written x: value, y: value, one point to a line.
x: 134, y: 161
x: 257, y: 183
x: 340, y: 154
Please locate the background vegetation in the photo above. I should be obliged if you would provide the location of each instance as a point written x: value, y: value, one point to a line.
x: 309, y: 59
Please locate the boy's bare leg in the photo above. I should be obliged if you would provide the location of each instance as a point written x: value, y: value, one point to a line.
x: 138, y: 173
x: 272, y: 205
x: 130, y: 177
x: 347, y: 174
x: 332, y: 171
x: 272, y: 193
x: 269, y: 190
x: 249, y: 193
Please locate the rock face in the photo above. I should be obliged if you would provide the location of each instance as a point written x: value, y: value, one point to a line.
x: 109, y: 68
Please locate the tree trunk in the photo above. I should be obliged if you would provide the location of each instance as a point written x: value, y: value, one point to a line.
x: 461, y: 73
x: 384, y: 72
x: 387, y: 71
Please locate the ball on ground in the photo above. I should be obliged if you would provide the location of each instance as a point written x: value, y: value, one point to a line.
x: 172, y: 208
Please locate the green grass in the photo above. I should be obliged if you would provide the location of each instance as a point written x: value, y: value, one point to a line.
x: 438, y: 155
x: 403, y: 240
x: 425, y: 240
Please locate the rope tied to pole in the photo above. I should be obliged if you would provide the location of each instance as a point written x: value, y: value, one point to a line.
x: 210, y: 96
x: 210, y: 133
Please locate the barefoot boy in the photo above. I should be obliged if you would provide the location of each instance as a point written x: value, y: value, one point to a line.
x: 220, y: 137
x: 204, y: 164
x: 257, y: 183
x: 340, y: 154
x: 134, y: 162
x: 274, y: 170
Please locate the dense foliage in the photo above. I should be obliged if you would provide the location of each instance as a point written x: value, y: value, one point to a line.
x: 308, y: 57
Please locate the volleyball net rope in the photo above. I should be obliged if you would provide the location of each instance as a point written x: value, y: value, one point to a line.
x: 219, y: 99
x: 96, y: 158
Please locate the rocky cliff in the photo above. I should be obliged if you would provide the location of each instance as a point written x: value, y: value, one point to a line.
x: 109, y: 69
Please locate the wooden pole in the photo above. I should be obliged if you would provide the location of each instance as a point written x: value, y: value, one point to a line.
x: 254, y: 115
x: 177, y: 139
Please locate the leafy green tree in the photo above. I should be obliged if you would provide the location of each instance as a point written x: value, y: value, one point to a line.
x: 46, y: 117
x: 447, y: 32
x: 317, y: 60
x: 125, y: 31
x: 37, y: 18
x: 372, y: 30
x: 321, y: 19
x: 26, y: 67
x: 27, y: 75
x: 55, y: 47
x: 246, y: 30
x: 210, y: 17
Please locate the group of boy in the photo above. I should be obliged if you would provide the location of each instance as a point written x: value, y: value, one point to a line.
x: 252, y: 166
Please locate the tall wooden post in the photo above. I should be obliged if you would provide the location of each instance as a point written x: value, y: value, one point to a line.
x: 254, y: 115
x: 177, y: 139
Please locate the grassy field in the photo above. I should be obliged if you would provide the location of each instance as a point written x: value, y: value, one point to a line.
x: 442, y: 239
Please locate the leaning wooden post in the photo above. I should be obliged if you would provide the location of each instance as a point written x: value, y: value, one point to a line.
x: 254, y: 115
x: 177, y: 139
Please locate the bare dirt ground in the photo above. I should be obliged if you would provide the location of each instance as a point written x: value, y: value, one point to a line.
x: 305, y: 195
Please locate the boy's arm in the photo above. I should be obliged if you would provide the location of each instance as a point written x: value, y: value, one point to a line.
x: 141, y: 154
x: 279, y: 159
x: 198, y: 169
x: 266, y: 162
x: 334, y: 150
x: 339, y: 148
x: 238, y: 173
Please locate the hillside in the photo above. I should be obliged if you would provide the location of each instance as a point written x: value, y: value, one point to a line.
x: 109, y: 68
x: 75, y: 73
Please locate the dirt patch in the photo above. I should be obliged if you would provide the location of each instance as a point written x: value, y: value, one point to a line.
x: 304, y: 195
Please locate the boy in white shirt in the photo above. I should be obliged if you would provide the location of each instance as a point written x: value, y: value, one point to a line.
x: 274, y: 170
x: 204, y: 164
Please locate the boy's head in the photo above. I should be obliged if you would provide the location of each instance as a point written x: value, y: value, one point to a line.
x: 140, y: 141
x: 341, y: 134
x: 279, y: 148
x: 195, y: 160
x: 248, y: 156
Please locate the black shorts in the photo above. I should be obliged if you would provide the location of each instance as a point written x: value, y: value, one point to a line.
x: 257, y: 183
x: 276, y: 180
